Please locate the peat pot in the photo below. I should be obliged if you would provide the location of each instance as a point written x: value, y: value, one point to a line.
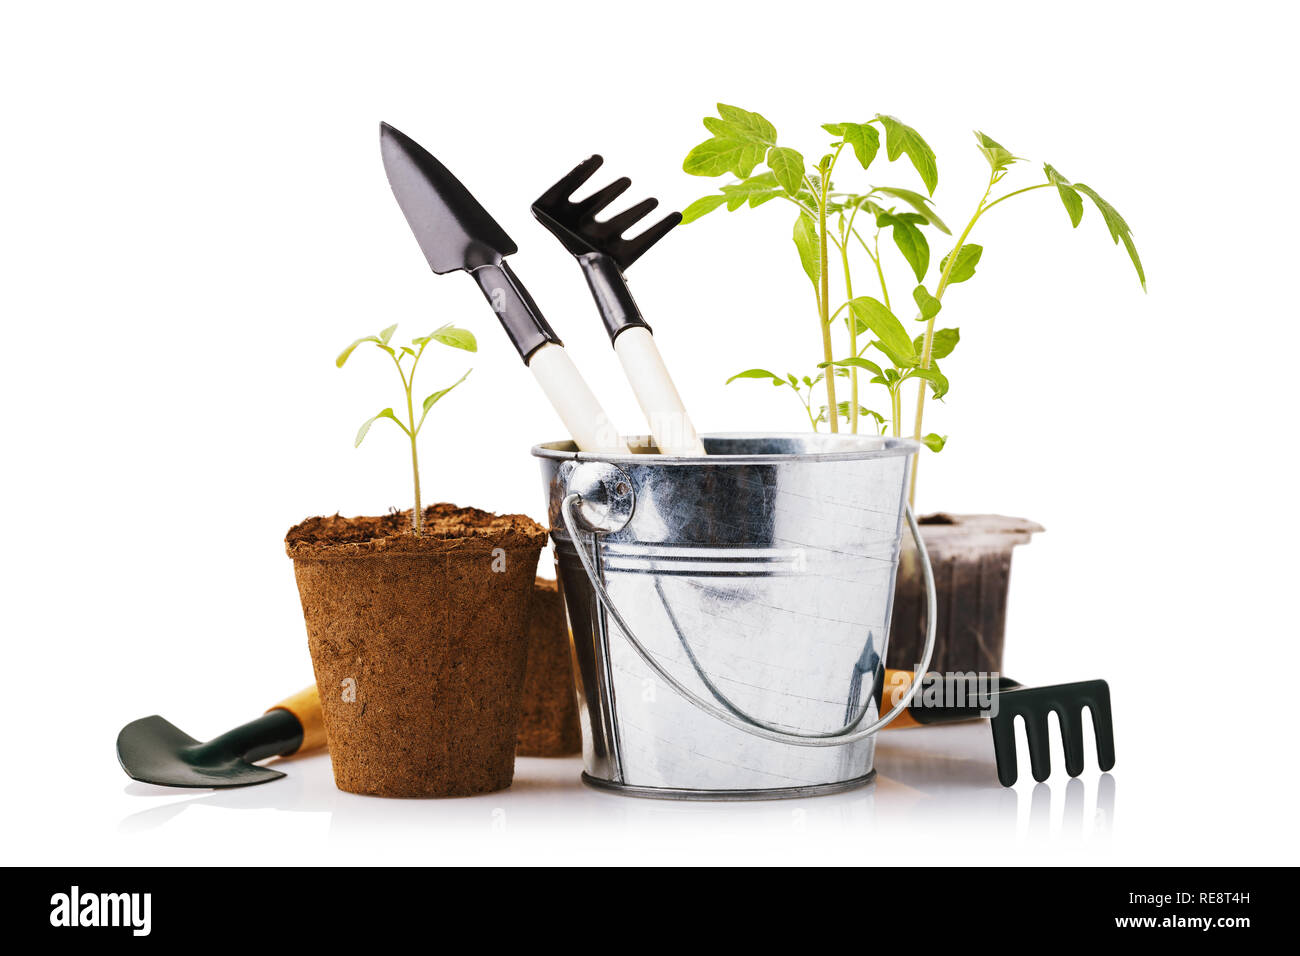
x: 419, y: 645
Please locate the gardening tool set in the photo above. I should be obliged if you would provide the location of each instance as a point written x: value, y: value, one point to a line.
x: 729, y: 596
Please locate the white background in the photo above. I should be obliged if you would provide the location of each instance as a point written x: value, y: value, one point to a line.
x: 195, y: 220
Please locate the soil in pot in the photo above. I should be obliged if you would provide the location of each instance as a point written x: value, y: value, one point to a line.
x: 549, y: 727
x: 971, y: 557
x: 419, y: 645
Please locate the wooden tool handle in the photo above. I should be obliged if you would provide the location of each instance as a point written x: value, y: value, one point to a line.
x: 305, y: 705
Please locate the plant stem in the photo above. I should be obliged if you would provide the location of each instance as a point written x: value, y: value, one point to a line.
x: 824, y: 295
x: 417, y: 516
x: 884, y: 289
x: 408, y: 383
x: 1016, y: 193
x: 853, y: 341
x: 927, y: 346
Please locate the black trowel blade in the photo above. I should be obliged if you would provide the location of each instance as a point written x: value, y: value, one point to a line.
x: 453, y: 230
x: 153, y: 750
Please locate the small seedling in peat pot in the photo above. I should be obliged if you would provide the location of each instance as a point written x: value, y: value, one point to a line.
x: 447, y: 335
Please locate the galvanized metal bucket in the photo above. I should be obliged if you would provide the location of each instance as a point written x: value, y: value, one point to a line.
x: 730, y: 612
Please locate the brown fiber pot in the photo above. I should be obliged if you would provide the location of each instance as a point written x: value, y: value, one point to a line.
x: 418, y: 644
x: 971, y: 557
x: 549, y: 727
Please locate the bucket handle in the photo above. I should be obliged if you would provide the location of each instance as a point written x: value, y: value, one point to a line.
x: 568, y: 511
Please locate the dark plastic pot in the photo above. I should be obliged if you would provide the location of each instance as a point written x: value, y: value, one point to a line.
x: 971, y: 556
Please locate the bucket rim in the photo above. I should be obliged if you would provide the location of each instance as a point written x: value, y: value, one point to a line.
x: 866, y: 447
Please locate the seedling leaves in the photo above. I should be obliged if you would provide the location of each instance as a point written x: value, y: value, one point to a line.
x: 740, y: 142
x: 365, y: 426
x: 787, y: 166
x: 893, y: 338
x: 901, y: 138
x: 964, y: 267
x: 702, y: 207
x: 437, y: 396
x: 1119, y: 229
x: 999, y: 156
x: 1069, y: 195
x: 863, y: 137
x: 456, y: 338
x: 918, y: 202
x: 810, y: 255
x: 927, y: 303
x: 941, y: 346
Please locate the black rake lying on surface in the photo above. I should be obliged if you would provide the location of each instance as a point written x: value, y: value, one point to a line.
x: 1001, y: 706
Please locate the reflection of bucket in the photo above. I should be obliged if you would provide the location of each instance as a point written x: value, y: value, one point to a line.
x: 730, y: 613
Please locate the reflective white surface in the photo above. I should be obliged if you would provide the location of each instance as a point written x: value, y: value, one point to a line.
x: 186, y: 255
x: 936, y: 782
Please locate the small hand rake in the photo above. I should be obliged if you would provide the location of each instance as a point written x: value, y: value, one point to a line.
x: 946, y: 699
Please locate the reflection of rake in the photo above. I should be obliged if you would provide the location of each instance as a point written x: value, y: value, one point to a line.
x: 1009, y: 701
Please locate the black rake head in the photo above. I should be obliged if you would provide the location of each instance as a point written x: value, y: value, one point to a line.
x: 1033, y: 704
x: 575, y: 223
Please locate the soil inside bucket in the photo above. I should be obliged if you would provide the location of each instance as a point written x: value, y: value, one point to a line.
x: 418, y: 644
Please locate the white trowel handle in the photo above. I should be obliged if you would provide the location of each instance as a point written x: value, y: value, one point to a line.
x: 663, y: 408
x: 588, y: 425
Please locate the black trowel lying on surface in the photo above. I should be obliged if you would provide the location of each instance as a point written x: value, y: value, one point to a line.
x: 152, y: 750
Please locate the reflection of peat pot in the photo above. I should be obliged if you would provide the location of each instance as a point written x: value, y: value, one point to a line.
x: 549, y: 726
x: 971, y: 557
x: 419, y: 645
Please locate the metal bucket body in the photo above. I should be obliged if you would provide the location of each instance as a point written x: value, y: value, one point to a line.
x: 760, y: 577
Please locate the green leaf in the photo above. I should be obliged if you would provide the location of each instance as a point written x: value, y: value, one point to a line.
x: 702, y: 207
x: 927, y: 303
x: 854, y: 361
x: 1119, y: 229
x: 757, y: 373
x: 897, y: 344
x: 788, y: 168
x: 911, y: 243
x: 387, y: 334
x: 740, y: 142
x: 863, y: 137
x: 918, y: 202
x: 843, y: 409
x: 941, y: 346
x: 437, y: 396
x: 934, y: 442
x: 456, y: 338
x: 964, y: 267
x: 901, y: 138
x: 365, y: 426
x: 747, y: 124
x: 1069, y: 195
x: 938, y: 383
x: 999, y: 156
x: 714, y: 157
x: 755, y: 190
x: 810, y: 254
x: 343, y: 356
